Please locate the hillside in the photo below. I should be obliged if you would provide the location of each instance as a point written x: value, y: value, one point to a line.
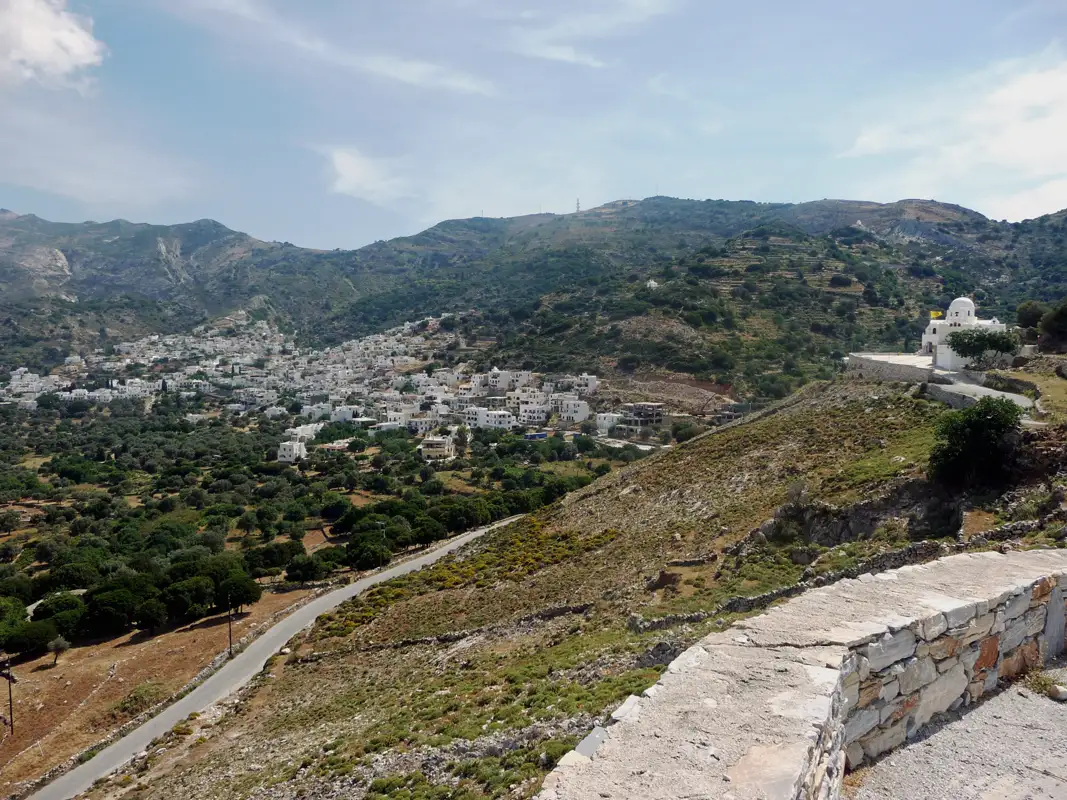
x: 470, y: 678
x: 591, y: 267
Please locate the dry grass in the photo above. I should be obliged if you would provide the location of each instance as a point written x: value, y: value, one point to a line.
x: 62, y: 710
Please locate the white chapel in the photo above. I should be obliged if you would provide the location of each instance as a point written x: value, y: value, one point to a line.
x: 962, y: 315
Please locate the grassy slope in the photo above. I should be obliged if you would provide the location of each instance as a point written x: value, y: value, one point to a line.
x: 325, y: 714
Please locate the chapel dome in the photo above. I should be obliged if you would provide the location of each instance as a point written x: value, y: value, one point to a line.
x: 962, y: 307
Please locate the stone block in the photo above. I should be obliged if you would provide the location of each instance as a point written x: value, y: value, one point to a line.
x: 944, y: 647
x: 630, y: 709
x: 854, y: 755
x: 900, y: 708
x: 890, y: 690
x: 861, y: 722
x: 1017, y: 605
x: 1020, y: 660
x: 1054, y: 625
x: 850, y: 697
x: 947, y: 664
x: 969, y: 657
x: 977, y: 628
x: 1013, y: 635
x: 889, y: 649
x: 918, y: 672
x: 932, y: 627
x: 938, y: 696
x: 988, y: 652
x: 869, y: 692
x: 976, y: 687
x: 885, y: 739
x: 961, y: 615
x: 1042, y: 589
x: 1034, y: 620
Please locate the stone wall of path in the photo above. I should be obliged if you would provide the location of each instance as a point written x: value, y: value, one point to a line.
x: 780, y: 706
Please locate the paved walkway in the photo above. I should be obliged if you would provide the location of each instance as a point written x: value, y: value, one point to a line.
x: 978, y: 392
x: 1011, y: 747
x: 235, y: 674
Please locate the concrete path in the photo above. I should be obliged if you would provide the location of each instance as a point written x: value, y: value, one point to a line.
x: 1012, y: 747
x: 978, y: 392
x: 236, y: 673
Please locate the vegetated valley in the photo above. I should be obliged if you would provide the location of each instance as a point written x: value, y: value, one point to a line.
x: 470, y: 678
x: 130, y: 529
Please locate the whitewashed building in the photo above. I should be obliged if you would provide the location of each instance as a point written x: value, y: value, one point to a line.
x: 961, y: 316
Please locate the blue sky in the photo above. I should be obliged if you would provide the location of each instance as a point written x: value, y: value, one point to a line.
x: 333, y: 123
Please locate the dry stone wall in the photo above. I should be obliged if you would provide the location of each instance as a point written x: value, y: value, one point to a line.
x: 779, y: 706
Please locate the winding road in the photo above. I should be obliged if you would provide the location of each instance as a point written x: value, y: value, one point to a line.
x: 236, y: 673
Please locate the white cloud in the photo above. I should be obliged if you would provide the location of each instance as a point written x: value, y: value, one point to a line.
x: 61, y: 141
x: 357, y: 175
x: 40, y: 40
x: 997, y: 140
x: 557, y: 40
x: 264, y: 22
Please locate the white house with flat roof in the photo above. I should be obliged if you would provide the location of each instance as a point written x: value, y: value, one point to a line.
x: 291, y: 452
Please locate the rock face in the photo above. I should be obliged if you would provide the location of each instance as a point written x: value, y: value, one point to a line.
x: 779, y: 706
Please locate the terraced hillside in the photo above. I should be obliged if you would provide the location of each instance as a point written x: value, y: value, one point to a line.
x: 470, y: 678
x: 58, y: 281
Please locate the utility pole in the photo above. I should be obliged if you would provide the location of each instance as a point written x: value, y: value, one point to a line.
x: 229, y: 623
x: 5, y: 673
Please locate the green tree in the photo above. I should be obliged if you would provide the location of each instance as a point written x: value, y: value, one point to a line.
x: 9, y: 520
x: 57, y: 647
x: 189, y: 599
x: 1053, y: 327
x: 238, y: 591
x: 976, y: 345
x: 248, y: 521
x: 974, y: 447
x: 305, y: 568
x: 1029, y: 313
x: 151, y: 615
x: 31, y: 638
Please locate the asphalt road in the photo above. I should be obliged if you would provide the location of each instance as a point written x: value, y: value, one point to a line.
x: 234, y: 674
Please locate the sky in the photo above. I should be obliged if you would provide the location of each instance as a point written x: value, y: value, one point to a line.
x: 335, y: 123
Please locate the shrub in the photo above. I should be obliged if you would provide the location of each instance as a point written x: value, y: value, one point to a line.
x: 974, y: 447
x: 31, y: 638
x: 1029, y: 313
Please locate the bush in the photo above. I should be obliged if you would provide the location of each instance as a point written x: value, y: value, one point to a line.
x: 1029, y: 313
x: 31, y: 638
x: 840, y: 281
x: 1054, y: 326
x: 974, y: 447
x: 305, y: 568
x: 189, y: 599
x: 151, y: 615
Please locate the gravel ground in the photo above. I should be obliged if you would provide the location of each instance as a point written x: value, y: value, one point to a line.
x: 1011, y: 747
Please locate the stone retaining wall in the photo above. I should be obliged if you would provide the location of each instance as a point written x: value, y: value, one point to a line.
x: 862, y: 365
x: 898, y: 682
x: 779, y: 706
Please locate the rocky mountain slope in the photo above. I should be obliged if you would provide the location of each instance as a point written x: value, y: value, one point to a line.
x: 166, y: 277
x: 471, y: 678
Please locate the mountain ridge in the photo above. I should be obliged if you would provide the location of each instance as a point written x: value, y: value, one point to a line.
x: 173, y: 277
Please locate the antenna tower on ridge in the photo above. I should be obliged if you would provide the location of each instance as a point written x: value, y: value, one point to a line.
x: 578, y: 206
